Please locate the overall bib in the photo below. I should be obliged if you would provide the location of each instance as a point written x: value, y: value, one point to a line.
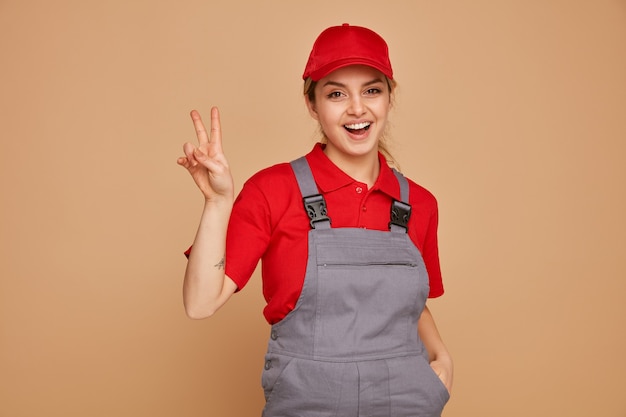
x: 350, y: 347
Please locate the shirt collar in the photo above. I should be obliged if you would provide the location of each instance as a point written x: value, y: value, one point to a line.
x: 329, y: 177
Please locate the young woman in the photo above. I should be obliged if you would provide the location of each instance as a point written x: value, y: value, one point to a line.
x: 348, y: 248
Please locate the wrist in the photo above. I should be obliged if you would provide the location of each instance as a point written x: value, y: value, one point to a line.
x: 219, y: 201
x: 443, y: 357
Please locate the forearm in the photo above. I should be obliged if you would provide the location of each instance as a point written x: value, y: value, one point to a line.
x: 205, y: 287
x: 430, y: 336
x: 438, y: 355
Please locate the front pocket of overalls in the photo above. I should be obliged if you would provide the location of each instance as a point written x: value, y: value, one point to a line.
x: 414, y: 385
x: 273, y: 368
x: 303, y: 387
x: 368, y: 309
x: 444, y: 394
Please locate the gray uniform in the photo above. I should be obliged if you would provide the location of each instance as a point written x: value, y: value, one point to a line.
x: 350, y: 347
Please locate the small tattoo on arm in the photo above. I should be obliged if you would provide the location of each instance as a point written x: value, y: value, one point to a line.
x: 220, y: 264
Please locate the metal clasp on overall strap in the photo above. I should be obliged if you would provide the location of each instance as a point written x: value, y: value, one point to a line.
x: 400, y: 214
x: 315, y: 207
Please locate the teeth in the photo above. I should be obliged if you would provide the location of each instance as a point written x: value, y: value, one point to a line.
x: 358, y: 126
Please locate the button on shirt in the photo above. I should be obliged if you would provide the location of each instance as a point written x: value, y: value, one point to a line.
x: 269, y: 223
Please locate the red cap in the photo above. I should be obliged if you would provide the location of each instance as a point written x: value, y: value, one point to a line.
x: 341, y: 46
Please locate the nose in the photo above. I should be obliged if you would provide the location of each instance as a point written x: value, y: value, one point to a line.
x: 355, y: 106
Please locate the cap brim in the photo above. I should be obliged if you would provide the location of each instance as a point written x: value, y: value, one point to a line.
x: 327, y: 69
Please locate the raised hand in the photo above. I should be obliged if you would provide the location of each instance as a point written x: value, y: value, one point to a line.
x: 206, y: 162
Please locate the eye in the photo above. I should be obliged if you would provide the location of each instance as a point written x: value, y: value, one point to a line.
x: 334, y: 94
x: 373, y: 91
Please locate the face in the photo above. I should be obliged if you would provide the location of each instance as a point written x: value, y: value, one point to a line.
x: 352, y: 104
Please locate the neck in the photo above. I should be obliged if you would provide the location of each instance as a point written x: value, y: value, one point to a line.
x: 363, y: 168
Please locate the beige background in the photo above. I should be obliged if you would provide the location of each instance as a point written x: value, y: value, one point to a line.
x: 511, y: 112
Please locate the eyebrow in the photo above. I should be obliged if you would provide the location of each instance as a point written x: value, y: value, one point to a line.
x: 338, y: 84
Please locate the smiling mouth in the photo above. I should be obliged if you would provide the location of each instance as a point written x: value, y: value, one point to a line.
x: 358, y: 128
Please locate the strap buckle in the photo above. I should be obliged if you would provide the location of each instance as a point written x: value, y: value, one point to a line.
x: 315, y: 207
x: 400, y: 214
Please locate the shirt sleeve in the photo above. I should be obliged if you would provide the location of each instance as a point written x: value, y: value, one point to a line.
x: 431, y: 255
x: 423, y: 231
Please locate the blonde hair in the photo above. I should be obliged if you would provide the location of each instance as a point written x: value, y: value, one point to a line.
x: 383, y: 145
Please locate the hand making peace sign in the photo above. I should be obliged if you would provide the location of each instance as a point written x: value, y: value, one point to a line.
x: 206, y: 162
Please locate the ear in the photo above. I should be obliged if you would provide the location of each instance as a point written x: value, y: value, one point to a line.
x: 311, y: 107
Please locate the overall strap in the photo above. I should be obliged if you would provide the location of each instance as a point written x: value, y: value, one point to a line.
x: 314, y: 202
x: 400, y: 210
